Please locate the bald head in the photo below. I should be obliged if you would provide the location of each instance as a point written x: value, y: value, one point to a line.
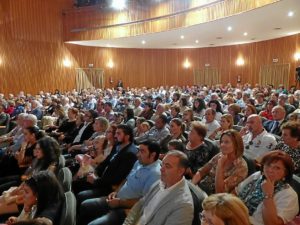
x: 278, y: 113
x: 254, y: 124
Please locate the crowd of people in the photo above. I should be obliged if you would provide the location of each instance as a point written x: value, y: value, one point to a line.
x: 168, y: 155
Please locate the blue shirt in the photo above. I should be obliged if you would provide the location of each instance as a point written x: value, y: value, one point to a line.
x: 140, y: 180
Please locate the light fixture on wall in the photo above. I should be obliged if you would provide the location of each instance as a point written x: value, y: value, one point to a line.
x: 118, y: 4
x: 186, y: 64
x: 67, y: 62
x: 110, y: 64
x: 297, y: 56
x: 240, y: 62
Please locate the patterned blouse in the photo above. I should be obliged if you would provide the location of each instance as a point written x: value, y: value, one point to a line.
x: 233, y: 174
x: 294, y: 153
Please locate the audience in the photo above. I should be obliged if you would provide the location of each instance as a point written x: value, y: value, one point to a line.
x: 107, y: 146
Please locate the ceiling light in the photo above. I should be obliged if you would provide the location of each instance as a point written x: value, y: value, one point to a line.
x: 197, y: 41
x: 108, y: 45
x: 229, y: 28
x: 245, y: 33
x: 291, y: 13
x: 118, y: 4
x: 182, y: 37
x: 143, y: 42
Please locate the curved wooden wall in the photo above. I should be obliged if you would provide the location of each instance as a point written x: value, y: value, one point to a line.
x: 32, y: 50
x: 31, y: 46
x: 154, y: 67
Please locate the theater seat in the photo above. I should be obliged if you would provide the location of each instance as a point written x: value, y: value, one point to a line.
x: 251, y: 165
x: 198, y: 197
x: 65, y: 178
x: 61, y: 163
x: 68, y: 212
x: 295, y: 183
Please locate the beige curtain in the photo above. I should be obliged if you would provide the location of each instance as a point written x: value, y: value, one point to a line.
x: 207, y: 76
x: 89, y: 77
x: 274, y: 74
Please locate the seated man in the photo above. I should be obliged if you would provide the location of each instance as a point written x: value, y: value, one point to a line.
x: 257, y: 140
x: 156, y: 133
x: 111, y: 209
x: 169, y: 202
x: 273, y: 126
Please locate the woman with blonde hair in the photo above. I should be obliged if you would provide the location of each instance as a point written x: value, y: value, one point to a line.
x: 223, y: 208
x: 226, y: 124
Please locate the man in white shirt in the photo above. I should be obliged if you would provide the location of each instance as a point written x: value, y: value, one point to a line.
x: 257, y: 140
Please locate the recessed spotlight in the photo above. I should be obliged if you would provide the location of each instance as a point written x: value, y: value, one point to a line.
x: 118, y: 4
x: 253, y: 39
x: 211, y: 44
x: 229, y: 28
x: 182, y: 37
x: 277, y: 28
x: 196, y: 41
x: 219, y: 38
x: 291, y: 13
x: 108, y: 45
x: 245, y: 33
x: 143, y: 42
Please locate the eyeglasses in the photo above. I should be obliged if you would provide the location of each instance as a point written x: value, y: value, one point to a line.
x: 249, y: 144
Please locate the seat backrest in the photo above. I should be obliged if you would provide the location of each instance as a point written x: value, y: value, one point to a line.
x: 65, y: 178
x: 198, y: 197
x: 68, y: 213
x: 295, y: 183
x: 251, y: 165
x: 61, y: 163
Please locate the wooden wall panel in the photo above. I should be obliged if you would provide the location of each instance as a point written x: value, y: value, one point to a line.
x: 32, y: 48
x: 155, y: 67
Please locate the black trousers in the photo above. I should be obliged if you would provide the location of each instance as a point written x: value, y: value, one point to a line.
x: 96, y: 211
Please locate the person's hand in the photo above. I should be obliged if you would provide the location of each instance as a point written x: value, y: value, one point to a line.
x: 222, y: 160
x: 11, y: 220
x: 113, y: 203
x: 196, y: 178
x: 244, y: 131
x: 267, y: 187
x: 91, y: 178
x: 111, y: 195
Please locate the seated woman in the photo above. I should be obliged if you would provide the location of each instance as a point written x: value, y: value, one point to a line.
x: 43, y: 198
x: 249, y: 110
x: 199, y: 107
x: 226, y: 124
x: 129, y: 117
x: 290, y: 143
x: 199, y: 150
x: 67, y: 125
x: 15, y: 163
x: 267, y: 194
x: 215, y: 104
x: 234, y: 110
x: 267, y: 112
x: 89, y: 161
x: 224, y: 209
x: 177, y: 128
x: 225, y: 170
x: 61, y: 117
x: 46, y: 154
x: 137, y: 131
x: 160, y: 110
x: 188, y: 118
